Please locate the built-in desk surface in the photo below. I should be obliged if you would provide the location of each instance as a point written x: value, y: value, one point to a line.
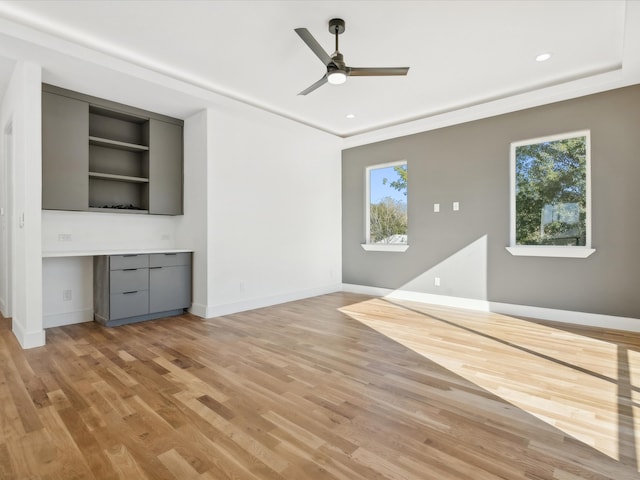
x: 94, y: 253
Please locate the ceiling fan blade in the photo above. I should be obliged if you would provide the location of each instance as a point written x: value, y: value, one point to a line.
x: 315, y: 47
x: 377, y: 71
x: 318, y: 84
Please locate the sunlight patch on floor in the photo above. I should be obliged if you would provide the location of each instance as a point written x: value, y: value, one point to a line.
x: 569, y: 381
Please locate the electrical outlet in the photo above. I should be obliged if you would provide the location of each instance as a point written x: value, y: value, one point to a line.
x: 241, y: 286
x: 66, y: 295
x: 166, y: 236
x: 436, y: 281
x: 64, y: 237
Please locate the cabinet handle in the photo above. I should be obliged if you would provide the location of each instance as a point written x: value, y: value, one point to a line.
x: 153, y: 268
x: 129, y: 293
x: 129, y: 269
x: 171, y: 254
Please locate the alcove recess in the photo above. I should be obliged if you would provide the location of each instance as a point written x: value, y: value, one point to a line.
x: 118, y: 161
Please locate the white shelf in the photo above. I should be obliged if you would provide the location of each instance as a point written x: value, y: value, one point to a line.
x: 92, y: 253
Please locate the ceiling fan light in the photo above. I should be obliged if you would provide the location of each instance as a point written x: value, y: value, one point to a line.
x: 336, y: 77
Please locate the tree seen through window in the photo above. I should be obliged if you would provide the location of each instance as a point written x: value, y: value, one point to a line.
x: 388, y: 203
x: 551, y: 192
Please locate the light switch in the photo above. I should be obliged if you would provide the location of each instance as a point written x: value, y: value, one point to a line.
x: 436, y: 207
x: 456, y: 206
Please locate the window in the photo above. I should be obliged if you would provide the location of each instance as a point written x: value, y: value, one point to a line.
x: 386, y: 212
x: 550, y: 196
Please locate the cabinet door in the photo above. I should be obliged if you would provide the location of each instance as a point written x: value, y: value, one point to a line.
x: 169, y: 288
x: 65, y: 153
x: 165, y: 168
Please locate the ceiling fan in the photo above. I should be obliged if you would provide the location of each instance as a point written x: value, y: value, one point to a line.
x: 337, y: 70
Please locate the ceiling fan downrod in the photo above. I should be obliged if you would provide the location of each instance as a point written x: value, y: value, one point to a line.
x: 336, y: 26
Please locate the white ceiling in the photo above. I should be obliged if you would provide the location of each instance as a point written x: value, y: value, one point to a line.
x: 461, y: 53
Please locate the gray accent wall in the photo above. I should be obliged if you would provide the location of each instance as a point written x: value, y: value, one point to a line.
x: 469, y: 163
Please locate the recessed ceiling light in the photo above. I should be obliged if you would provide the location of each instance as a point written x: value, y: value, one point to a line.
x: 350, y: 115
x: 543, y: 57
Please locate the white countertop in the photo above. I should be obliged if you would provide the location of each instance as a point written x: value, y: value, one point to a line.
x: 93, y: 253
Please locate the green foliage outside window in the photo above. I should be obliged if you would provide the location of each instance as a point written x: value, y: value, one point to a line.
x: 551, y: 192
x: 388, y: 204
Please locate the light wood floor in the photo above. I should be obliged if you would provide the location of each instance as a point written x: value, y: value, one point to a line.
x: 340, y: 386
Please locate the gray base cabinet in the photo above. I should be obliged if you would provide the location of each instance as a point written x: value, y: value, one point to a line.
x: 138, y: 287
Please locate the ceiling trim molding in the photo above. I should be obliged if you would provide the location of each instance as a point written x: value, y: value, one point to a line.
x: 623, y: 75
x: 49, y: 36
x: 35, y: 30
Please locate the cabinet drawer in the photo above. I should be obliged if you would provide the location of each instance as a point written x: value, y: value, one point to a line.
x: 123, y: 305
x: 169, y: 259
x: 120, y: 262
x: 129, y: 280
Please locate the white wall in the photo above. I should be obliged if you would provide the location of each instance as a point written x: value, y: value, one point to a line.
x: 275, y: 210
x: 21, y: 106
x: 105, y: 231
x: 192, y: 231
x: 6, y: 215
x: 72, y: 274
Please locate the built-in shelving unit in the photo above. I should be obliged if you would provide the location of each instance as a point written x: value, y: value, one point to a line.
x: 102, y: 156
x: 118, y: 161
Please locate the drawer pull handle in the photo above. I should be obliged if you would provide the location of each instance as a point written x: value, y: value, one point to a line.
x: 129, y: 293
x: 129, y: 269
x: 171, y: 254
x: 154, y: 268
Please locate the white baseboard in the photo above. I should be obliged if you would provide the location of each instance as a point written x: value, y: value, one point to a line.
x: 550, y: 314
x: 67, y: 318
x: 199, y: 310
x: 27, y: 339
x: 610, y: 322
x: 210, y: 311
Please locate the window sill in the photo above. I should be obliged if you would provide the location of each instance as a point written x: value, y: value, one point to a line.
x: 550, y: 251
x: 384, y: 247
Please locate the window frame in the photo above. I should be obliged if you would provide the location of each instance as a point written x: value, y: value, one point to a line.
x: 567, y: 251
x: 380, y: 247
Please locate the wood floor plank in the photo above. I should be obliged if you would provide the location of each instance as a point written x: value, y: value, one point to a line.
x: 336, y: 387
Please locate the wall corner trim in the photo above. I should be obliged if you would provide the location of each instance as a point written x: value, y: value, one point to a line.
x: 199, y: 310
x: 27, y: 339
x: 550, y: 314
